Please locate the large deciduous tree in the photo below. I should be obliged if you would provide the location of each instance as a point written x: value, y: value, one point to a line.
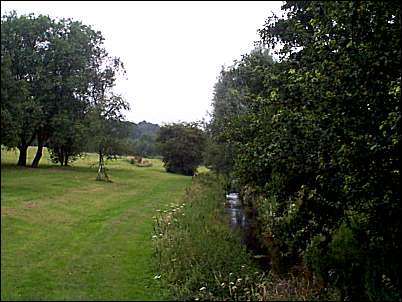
x: 23, y: 44
x: 55, y: 76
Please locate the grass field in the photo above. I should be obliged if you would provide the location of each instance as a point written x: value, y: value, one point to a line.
x: 65, y: 236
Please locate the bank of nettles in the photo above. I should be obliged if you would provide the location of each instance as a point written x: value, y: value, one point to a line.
x: 199, y: 257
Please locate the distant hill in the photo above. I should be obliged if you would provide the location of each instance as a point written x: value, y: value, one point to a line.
x: 145, y: 128
x: 143, y: 135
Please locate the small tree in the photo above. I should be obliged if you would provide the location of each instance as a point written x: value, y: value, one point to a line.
x: 182, y: 146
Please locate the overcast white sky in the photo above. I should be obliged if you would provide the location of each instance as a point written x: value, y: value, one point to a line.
x: 172, y: 51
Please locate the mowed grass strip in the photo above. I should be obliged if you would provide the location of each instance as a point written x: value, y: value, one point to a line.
x: 66, y: 236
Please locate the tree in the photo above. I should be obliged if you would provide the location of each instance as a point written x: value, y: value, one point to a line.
x: 106, y: 108
x: 181, y: 145
x: 13, y: 94
x: 66, y: 80
x: 23, y: 42
x: 317, y: 143
x: 62, y: 73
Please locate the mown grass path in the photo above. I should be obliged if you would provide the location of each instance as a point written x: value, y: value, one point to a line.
x: 66, y: 236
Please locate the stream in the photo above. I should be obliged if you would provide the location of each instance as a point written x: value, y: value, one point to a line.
x: 238, y: 220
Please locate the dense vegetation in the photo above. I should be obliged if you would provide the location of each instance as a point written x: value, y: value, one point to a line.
x: 315, y: 139
x: 200, y: 258
x: 182, y: 147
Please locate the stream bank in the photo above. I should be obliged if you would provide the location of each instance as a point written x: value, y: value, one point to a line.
x: 238, y: 221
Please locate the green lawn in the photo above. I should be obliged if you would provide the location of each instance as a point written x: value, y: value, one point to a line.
x: 65, y: 236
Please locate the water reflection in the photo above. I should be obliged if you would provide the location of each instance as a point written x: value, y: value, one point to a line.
x: 235, y: 212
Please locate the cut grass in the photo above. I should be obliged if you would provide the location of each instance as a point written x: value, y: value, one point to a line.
x: 66, y: 236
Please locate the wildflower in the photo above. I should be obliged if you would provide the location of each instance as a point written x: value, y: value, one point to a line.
x: 203, y: 288
x: 239, y: 280
x: 161, y: 234
x: 234, y: 287
x: 231, y: 283
x: 230, y: 274
x: 183, y: 214
x: 243, y: 266
x: 157, y: 277
x: 154, y: 236
x: 223, y: 284
x: 158, y: 210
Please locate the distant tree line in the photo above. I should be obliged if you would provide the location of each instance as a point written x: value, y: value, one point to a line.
x: 313, y: 140
x: 142, y: 138
x: 57, y: 84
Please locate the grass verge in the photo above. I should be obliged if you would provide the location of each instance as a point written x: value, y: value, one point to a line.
x: 66, y: 236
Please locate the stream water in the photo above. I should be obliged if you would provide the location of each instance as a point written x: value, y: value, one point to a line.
x: 239, y: 221
x: 235, y: 211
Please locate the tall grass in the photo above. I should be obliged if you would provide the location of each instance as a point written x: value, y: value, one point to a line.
x: 199, y: 257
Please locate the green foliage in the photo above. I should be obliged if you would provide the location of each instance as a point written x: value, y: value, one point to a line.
x: 316, y: 137
x: 182, y: 146
x: 56, y: 76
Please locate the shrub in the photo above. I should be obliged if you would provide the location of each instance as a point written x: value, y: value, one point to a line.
x: 181, y: 145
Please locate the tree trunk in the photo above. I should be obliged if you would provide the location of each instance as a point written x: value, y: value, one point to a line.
x: 66, y: 159
x: 22, y: 159
x: 61, y: 156
x: 38, y: 155
x: 102, y: 169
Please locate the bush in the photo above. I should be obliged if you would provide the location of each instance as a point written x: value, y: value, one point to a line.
x: 181, y: 146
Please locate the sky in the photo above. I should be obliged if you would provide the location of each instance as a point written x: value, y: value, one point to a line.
x: 172, y: 51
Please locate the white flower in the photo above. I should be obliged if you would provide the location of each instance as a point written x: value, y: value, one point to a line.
x: 157, y: 277
x: 203, y: 288
x: 154, y: 236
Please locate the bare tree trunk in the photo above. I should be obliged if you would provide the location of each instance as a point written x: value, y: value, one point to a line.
x: 65, y: 159
x: 102, y: 169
